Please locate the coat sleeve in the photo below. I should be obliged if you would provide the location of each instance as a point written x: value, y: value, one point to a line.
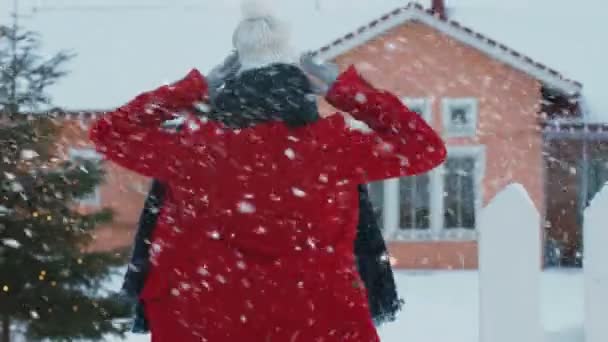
x: 132, y: 136
x: 400, y: 143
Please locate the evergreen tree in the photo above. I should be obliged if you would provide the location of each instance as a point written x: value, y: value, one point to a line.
x: 49, y: 283
x: 24, y: 75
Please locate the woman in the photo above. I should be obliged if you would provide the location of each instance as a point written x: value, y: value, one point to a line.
x: 255, y: 236
x: 370, y: 249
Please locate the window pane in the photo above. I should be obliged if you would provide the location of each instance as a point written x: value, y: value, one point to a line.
x: 597, y: 176
x: 376, y: 195
x: 417, y: 109
x: 459, y: 200
x: 414, y: 202
x: 459, y: 116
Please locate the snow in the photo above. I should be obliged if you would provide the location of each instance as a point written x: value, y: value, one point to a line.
x: 12, y: 243
x: 28, y: 154
x: 444, y: 306
x: 596, y: 274
x: 4, y: 210
x: 246, y: 207
x: 289, y: 153
x: 298, y: 192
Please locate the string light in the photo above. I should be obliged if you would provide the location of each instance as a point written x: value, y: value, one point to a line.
x: 5, y: 288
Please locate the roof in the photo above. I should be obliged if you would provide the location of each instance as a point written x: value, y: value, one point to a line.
x: 126, y: 46
x: 452, y: 28
x: 565, y: 34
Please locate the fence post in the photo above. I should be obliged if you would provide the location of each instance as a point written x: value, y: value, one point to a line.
x: 595, y: 263
x: 510, y: 269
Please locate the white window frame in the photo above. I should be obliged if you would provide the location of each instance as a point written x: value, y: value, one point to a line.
x: 446, y: 109
x: 391, y: 207
x: 422, y: 102
x: 94, y: 199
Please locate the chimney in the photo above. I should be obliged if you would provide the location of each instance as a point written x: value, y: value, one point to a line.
x: 439, y: 9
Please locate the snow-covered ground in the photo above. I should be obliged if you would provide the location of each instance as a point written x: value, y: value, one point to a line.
x: 442, y: 306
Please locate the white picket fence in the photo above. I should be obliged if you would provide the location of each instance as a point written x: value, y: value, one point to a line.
x: 510, y: 254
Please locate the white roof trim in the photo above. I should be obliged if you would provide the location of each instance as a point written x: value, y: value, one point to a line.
x: 413, y: 13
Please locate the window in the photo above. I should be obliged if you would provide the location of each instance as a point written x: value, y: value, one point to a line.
x: 376, y: 196
x: 442, y: 204
x: 460, y: 117
x: 93, y: 199
x: 419, y: 105
x: 459, y: 197
x: 597, y: 177
x: 414, y: 202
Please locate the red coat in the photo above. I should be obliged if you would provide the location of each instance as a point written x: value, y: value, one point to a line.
x: 255, y: 240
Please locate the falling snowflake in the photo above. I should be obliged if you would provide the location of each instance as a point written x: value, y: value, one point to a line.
x: 261, y: 230
x: 245, y: 207
x: 12, y: 243
x: 16, y: 187
x: 28, y: 154
x: 203, y: 271
x: 156, y: 248
x: 193, y: 126
x: 298, y: 192
x: 221, y: 279
x: 289, y: 153
x: 361, y: 98
x: 390, y: 46
x: 356, y: 125
x: 202, y: 107
x: 4, y: 210
x: 214, y: 234
x: 241, y: 265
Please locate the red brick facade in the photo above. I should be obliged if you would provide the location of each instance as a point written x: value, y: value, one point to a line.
x: 416, y: 61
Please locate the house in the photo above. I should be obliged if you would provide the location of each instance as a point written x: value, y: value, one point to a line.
x: 505, y: 116
x: 489, y: 103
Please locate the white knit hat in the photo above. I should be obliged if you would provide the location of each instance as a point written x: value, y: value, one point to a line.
x: 261, y: 38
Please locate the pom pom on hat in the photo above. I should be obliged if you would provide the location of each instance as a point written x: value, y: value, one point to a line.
x: 257, y: 9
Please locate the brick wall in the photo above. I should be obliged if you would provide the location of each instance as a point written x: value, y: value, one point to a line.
x: 416, y: 61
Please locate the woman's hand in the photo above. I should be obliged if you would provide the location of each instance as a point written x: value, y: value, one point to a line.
x: 218, y: 75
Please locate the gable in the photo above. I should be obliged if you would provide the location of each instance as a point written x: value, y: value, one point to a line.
x: 489, y: 47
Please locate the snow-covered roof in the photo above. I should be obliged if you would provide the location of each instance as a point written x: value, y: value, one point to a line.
x: 126, y: 46
x: 452, y: 28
